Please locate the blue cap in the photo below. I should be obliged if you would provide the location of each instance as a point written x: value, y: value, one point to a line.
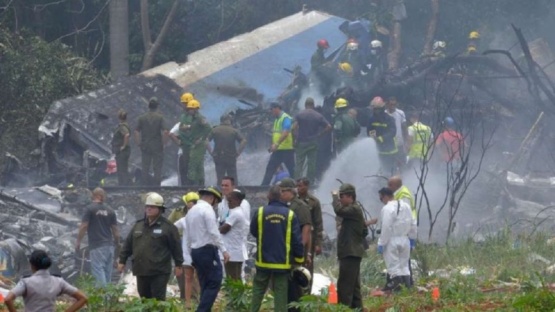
x: 449, y: 122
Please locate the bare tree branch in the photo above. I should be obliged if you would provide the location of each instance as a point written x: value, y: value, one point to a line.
x: 432, y: 25
x: 153, y: 49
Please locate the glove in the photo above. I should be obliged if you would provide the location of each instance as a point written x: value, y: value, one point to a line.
x: 412, y: 243
x: 380, y: 250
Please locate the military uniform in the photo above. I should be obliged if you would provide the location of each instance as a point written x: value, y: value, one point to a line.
x: 317, y: 225
x: 152, y: 247
x: 345, y: 130
x: 350, y: 249
x: 151, y: 125
x: 193, y: 131
x: 302, y: 211
x: 122, y: 156
x: 225, y: 151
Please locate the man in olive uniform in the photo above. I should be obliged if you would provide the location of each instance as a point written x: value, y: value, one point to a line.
x: 316, y: 217
x: 193, y: 131
x: 350, y: 245
x: 150, y: 134
x: 225, y: 152
x: 153, y: 242
x: 345, y: 127
x: 120, y: 148
x: 302, y: 211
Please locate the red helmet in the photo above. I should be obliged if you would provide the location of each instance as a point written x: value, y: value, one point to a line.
x: 111, y: 166
x: 323, y: 44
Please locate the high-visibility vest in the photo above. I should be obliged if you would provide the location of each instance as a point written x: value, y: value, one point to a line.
x: 259, y: 259
x: 287, y: 144
x: 404, y: 192
x: 420, y: 140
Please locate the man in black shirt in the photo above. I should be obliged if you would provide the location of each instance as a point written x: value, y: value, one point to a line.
x: 99, y: 222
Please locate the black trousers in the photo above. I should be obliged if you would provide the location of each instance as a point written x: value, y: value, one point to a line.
x: 122, y: 163
x: 226, y: 167
x: 348, y: 283
x: 277, y: 158
x: 153, y: 286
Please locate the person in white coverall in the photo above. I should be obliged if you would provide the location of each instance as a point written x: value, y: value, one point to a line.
x: 397, y: 237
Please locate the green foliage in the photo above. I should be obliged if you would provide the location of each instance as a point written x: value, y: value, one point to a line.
x: 535, y: 298
x: 33, y: 74
x: 319, y: 303
x: 238, y: 295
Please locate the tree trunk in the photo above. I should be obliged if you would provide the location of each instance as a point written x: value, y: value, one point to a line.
x: 395, y: 54
x: 119, y: 38
x: 432, y: 25
x: 152, y: 48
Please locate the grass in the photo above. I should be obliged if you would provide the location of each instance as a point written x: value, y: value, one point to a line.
x: 502, y: 273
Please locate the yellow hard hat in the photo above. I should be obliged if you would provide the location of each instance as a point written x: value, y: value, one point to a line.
x: 474, y: 35
x: 186, y: 97
x: 189, y: 197
x: 471, y: 49
x: 341, y: 102
x: 346, y: 67
x: 193, y: 104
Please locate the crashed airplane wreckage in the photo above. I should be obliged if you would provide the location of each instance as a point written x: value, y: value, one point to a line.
x: 239, y: 76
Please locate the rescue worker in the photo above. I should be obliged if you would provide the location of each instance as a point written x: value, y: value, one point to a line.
x: 397, y: 236
x: 316, y: 219
x: 302, y: 211
x: 345, y: 127
x: 188, y: 285
x: 152, y: 242
x: 193, y: 131
x: 309, y: 126
x: 279, y: 247
x: 400, y: 129
x: 381, y: 127
x: 450, y: 143
x: 375, y: 61
x: 402, y: 193
x: 150, y: 134
x: 282, y: 144
x: 225, y: 153
x: 203, y: 242
x: 318, y: 59
x: 473, y: 42
x: 418, y: 141
x: 350, y: 245
x: 438, y: 49
x: 182, y: 158
x: 41, y: 290
x: 121, y: 148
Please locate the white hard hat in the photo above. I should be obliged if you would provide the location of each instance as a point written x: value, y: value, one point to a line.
x: 376, y: 44
x: 154, y: 199
x: 439, y: 44
x: 301, y: 276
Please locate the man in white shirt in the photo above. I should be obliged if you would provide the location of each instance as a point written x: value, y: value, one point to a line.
x: 174, y: 135
x: 398, y: 234
x: 400, y: 126
x: 228, y: 185
x: 234, y: 235
x: 203, y: 242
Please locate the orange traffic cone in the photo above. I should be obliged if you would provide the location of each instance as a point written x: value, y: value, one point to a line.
x: 332, y: 294
x: 435, y: 294
x: 1, y: 298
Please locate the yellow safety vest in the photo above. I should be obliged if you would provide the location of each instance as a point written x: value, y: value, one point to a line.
x: 280, y: 266
x: 422, y: 134
x: 287, y: 144
x: 404, y: 192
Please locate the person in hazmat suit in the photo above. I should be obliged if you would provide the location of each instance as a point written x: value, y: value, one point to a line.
x: 397, y: 236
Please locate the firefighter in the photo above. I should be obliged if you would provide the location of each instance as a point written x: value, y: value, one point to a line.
x: 381, y: 127
x: 345, y: 127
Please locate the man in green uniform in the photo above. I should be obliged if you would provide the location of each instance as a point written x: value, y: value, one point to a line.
x: 120, y: 148
x: 225, y: 152
x: 345, y: 127
x: 316, y: 217
x: 302, y: 211
x: 350, y: 245
x: 153, y: 242
x: 150, y: 134
x: 193, y: 131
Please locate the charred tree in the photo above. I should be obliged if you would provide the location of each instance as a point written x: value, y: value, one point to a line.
x: 432, y: 25
x: 119, y: 38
